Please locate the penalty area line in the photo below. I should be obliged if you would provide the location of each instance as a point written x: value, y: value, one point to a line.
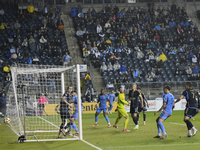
x: 167, y: 145
x: 91, y: 145
x: 177, y: 123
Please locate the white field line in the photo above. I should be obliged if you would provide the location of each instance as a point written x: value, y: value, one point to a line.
x: 167, y: 145
x: 92, y: 145
x: 178, y: 124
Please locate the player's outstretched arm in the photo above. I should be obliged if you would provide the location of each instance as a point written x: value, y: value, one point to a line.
x: 147, y: 102
x: 161, y: 108
x: 181, y: 97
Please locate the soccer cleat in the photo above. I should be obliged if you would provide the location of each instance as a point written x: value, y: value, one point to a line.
x: 188, y: 135
x: 126, y: 130
x: 76, y: 133
x: 68, y: 132
x: 193, y: 118
x: 63, y: 131
x: 96, y: 124
x: 164, y: 136
x: 115, y: 126
x: 135, y: 128
x: 157, y: 136
x: 195, y: 132
x: 109, y: 125
x: 59, y: 136
x: 144, y: 123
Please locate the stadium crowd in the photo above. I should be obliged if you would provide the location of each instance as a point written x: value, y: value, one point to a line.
x: 31, y: 37
x: 140, y: 44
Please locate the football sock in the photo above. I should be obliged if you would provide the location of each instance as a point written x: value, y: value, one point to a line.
x: 161, y: 126
x: 68, y: 125
x: 189, y: 132
x: 144, y: 117
x: 159, y: 130
x: 117, y: 120
x: 110, y: 108
x: 126, y: 122
x: 135, y: 120
x: 189, y: 124
x: 138, y: 116
x: 61, y: 126
x: 74, y: 126
x: 96, y: 119
x: 107, y: 119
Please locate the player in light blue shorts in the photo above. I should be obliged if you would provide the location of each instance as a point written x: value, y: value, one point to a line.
x: 167, y: 107
x: 111, y: 98
x: 103, y: 98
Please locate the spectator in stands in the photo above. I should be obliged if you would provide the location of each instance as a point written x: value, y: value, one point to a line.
x: 10, y: 39
x: 89, y: 92
x: 181, y: 67
x: 42, y: 40
x: 2, y: 27
x: 183, y: 60
x: 32, y: 45
x: 158, y: 72
x: 157, y: 27
x: 148, y: 77
x: 194, y: 59
x: 172, y: 23
x: 116, y: 66
x: 173, y: 8
x: 135, y: 73
x: 140, y: 54
x: 109, y: 66
x: 103, y: 67
x: 14, y: 55
x: 190, y: 55
x: 162, y: 57
x: 79, y: 32
x: 12, y: 50
x: 177, y: 72
x: 195, y: 71
x: 66, y: 59
x: 157, y: 37
x: 25, y: 42
x: 2, y: 11
x: 122, y: 69
x: 180, y: 30
x: 99, y: 28
x: 30, y: 8
x: 188, y: 70
x: 8, y: 77
x: 17, y: 25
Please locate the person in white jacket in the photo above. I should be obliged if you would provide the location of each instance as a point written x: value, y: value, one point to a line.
x: 99, y: 28
x: 43, y: 40
x: 194, y: 59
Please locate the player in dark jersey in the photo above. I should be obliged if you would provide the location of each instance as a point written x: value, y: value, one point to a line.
x: 192, y: 98
x: 134, y: 96
x: 65, y: 111
x: 144, y: 109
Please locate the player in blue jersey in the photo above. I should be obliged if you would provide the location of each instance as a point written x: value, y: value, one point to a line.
x: 103, y: 98
x: 144, y: 109
x: 192, y: 98
x: 167, y: 107
x: 75, y: 114
x: 112, y: 99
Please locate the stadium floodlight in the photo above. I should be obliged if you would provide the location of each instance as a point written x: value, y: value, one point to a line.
x: 29, y: 118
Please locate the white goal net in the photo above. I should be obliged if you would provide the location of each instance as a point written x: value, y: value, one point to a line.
x: 33, y: 102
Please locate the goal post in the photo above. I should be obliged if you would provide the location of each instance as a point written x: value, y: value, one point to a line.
x: 33, y: 101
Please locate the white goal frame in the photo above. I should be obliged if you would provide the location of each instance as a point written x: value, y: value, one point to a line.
x: 22, y: 129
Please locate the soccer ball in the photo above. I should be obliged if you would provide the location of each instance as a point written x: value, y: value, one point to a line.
x: 7, y: 120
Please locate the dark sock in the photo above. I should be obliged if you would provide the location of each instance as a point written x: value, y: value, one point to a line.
x: 68, y: 125
x: 189, y: 124
x: 144, y: 117
x: 138, y: 116
x: 135, y: 120
x: 61, y: 127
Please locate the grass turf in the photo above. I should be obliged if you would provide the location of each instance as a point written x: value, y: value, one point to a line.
x: 111, y: 138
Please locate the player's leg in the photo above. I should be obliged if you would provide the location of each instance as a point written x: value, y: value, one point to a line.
x: 134, y: 117
x: 162, y: 118
x: 106, y: 117
x: 96, y: 116
x: 110, y: 109
x: 118, y: 119
x: 159, y: 129
x: 75, y: 116
x: 188, y: 114
x: 138, y: 117
x: 44, y: 110
x: 63, y: 117
x: 144, y: 117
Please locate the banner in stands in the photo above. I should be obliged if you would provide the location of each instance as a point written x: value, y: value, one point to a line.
x: 83, y: 68
x: 91, y: 108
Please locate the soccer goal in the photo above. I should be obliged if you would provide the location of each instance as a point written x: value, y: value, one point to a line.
x: 33, y: 101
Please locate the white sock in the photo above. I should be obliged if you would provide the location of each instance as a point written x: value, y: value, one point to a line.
x: 136, y: 126
x: 165, y: 133
x: 159, y: 134
x: 189, y: 132
x: 193, y: 128
x: 109, y: 123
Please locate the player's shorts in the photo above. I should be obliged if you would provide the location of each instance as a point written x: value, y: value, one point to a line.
x: 122, y: 113
x: 75, y: 115
x: 41, y: 106
x: 133, y: 110
x: 100, y: 109
x: 191, y: 112
x: 164, y: 116
x: 65, y: 115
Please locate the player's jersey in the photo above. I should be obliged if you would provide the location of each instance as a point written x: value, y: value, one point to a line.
x: 134, y: 98
x: 192, y: 98
x: 121, y: 101
x: 163, y: 95
x: 111, y: 97
x: 63, y: 105
x: 103, y: 100
x: 144, y: 102
x: 169, y: 99
x: 75, y: 101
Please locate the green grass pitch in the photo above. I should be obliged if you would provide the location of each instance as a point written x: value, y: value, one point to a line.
x: 114, y: 139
